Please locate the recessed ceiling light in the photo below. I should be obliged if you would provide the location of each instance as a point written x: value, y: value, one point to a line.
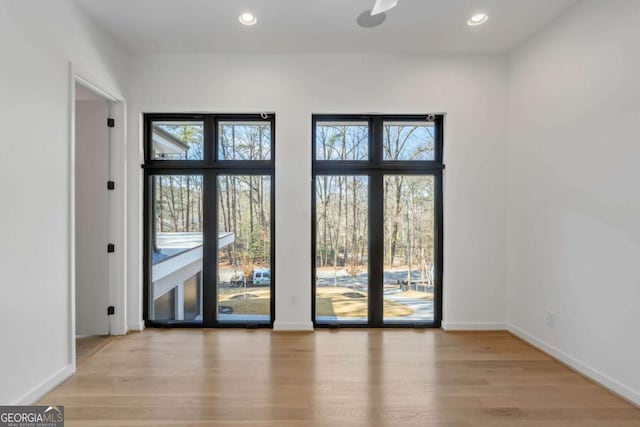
x: 478, y: 19
x: 247, y: 18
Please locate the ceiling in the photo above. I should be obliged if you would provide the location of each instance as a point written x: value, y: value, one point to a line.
x: 320, y: 26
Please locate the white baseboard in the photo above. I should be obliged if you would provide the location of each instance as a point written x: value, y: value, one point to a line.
x: 119, y: 329
x: 473, y: 326
x: 45, y: 387
x: 604, y: 380
x: 292, y: 326
x: 137, y: 326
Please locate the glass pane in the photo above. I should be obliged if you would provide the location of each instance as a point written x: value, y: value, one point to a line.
x: 342, y: 141
x: 409, y: 141
x: 244, y: 249
x: 164, y: 306
x: 176, y: 264
x: 193, y: 297
x: 244, y: 141
x: 177, y: 141
x: 408, y: 248
x: 342, y: 248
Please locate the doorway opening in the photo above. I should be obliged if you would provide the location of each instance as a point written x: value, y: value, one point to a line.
x: 97, y: 228
x: 92, y: 210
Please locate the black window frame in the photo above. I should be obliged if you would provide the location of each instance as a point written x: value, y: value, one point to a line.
x: 376, y: 168
x: 209, y: 168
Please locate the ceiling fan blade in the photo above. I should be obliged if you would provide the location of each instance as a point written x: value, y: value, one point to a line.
x: 382, y: 6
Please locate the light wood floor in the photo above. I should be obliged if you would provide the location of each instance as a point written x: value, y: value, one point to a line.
x: 331, y: 378
x: 88, y: 346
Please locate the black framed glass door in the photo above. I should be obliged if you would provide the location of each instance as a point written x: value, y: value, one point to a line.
x: 209, y: 235
x: 377, y: 220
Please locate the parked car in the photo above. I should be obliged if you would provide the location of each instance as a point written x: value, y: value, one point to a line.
x: 262, y: 276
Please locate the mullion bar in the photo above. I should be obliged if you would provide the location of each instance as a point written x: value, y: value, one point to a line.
x: 376, y: 249
x: 210, y: 138
x: 272, y: 287
x: 377, y: 136
x: 147, y: 236
x: 439, y: 138
x: 201, y: 170
x: 199, y: 164
x: 147, y: 139
x: 314, y: 231
x: 439, y: 249
x: 376, y: 226
x: 388, y: 166
x: 209, y: 250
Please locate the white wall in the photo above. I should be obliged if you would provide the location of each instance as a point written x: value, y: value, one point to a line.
x: 92, y: 217
x: 471, y: 90
x: 37, y: 41
x: 573, y: 199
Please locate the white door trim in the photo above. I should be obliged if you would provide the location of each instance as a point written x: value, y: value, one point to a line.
x: 118, y: 207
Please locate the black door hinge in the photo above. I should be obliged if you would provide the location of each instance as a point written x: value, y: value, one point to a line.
x: 111, y: 185
x: 111, y: 310
x: 111, y: 248
x: 111, y: 122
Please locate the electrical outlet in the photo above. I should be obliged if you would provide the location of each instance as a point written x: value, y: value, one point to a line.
x: 550, y: 319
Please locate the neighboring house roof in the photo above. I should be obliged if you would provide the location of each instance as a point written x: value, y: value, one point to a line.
x: 169, y: 245
x: 166, y: 143
x: 158, y: 257
x: 177, y: 258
